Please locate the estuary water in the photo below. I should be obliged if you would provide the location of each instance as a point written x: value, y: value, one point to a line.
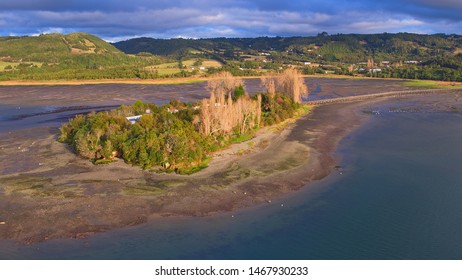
x: 397, y: 196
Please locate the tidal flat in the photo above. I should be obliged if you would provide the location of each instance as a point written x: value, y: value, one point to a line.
x: 47, y: 192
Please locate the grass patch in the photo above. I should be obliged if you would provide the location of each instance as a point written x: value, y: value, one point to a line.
x: 144, y: 190
x: 4, y: 64
x: 432, y: 84
x: 40, y: 187
x: 242, y: 138
x: 103, y: 161
x: 171, y: 68
x: 186, y: 82
x: 195, y: 169
x: 421, y: 83
x: 26, y: 185
x: 167, y: 71
x: 236, y: 172
x: 211, y: 63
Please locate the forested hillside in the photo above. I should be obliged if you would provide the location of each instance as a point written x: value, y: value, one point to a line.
x: 84, y: 56
x: 401, y: 55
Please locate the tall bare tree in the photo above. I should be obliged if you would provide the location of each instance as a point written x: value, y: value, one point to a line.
x: 268, y: 82
x: 222, y: 85
x: 370, y: 64
x: 220, y: 115
x: 292, y: 84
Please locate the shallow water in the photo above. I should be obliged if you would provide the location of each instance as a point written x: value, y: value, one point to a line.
x: 397, y: 197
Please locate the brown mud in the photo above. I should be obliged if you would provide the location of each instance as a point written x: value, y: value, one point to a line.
x: 48, y: 192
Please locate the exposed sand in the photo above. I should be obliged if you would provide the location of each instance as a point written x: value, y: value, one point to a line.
x: 48, y: 192
x: 56, y: 194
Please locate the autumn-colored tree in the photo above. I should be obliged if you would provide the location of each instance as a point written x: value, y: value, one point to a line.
x: 292, y: 84
x: 269, y: 83
x: 220, y: 114
x: 350, y: 68
x: 370, y: 64
x: 223, y: 84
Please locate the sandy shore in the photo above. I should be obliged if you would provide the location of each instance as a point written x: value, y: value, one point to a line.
x: 47, y: 192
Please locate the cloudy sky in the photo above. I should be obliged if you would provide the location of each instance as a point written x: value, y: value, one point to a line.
x: 116, y: 20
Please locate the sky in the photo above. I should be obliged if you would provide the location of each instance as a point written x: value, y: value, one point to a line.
x: 118, y: 20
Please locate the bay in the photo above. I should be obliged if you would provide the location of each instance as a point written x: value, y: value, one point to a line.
x: 397, y: 197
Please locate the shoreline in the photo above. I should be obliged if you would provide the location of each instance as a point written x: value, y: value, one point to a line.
x: 241, y: 176
x: 47, y: 192
x: 191, y: 80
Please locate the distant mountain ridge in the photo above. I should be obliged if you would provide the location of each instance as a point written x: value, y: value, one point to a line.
x: 347, y: 48
x: 85, y: 56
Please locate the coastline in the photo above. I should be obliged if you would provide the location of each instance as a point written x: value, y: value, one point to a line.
x: 49, y: 193
x: 200, y: 79
x: 69, y: 190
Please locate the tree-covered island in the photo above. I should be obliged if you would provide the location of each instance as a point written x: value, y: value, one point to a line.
x: 181, y: 136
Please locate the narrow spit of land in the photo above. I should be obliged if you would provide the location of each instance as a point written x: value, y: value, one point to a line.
x: 199, y: 79
x: 48, y: 192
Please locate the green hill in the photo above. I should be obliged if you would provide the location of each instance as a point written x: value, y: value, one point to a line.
x: 84, y: 56
x: 72, y: 56
x: 52, y: 48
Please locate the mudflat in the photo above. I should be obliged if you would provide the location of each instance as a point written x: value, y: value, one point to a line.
x: 46, y: 191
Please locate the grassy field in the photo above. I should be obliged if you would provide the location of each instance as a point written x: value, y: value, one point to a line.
x: 4, y: 64
x: 173, y: 67
x: 432, y: 84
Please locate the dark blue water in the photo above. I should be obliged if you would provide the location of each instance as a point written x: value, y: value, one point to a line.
x: 399, y: 197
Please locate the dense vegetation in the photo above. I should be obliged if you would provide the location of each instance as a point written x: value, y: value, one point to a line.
x: 180, y: 136
x: 159, y: 139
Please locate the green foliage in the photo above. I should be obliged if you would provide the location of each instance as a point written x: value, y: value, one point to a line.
x: 163, y: 139
x: 238, y: 92
x: 278, y: 108
x: 167, y: 138
x: 242, y: 138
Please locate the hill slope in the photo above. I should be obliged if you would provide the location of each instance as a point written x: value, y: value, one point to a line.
x: 340, y: 47
x: 72, y: 56
x: 51, y: 48
x: 84, y: 56
x: 402, y: 55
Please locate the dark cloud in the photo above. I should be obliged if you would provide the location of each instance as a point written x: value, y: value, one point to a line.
x: 119, y: 19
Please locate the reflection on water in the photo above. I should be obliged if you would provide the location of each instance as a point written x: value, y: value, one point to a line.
x: 397, y: 198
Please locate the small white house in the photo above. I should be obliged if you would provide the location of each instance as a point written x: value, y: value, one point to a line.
x: 134, y: 119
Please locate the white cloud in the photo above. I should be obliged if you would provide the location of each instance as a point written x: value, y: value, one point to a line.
x: 385, y: 25
x: 243, y: 18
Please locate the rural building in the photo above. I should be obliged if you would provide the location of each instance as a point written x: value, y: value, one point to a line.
x: 134, y: 119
